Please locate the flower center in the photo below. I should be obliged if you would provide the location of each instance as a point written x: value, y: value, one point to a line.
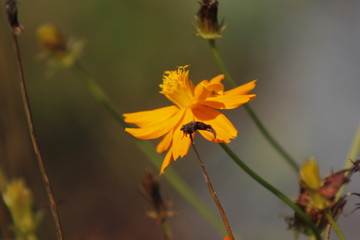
x: 177, y: 87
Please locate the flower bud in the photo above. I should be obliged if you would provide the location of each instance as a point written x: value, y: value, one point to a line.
x: 208, y: 27
x: 62, y: 52
x: 51, y: 39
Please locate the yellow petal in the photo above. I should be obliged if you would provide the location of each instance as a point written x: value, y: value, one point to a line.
x: 228, y: 101
x: 215, y: 84
x: 157, y: 129
x: 167, y: 160
x: 165, y: 142
x: 224, y: 129
x: 146, y: 118
x: 200, y: 92
x: 181, y: 142
x: 309, y: 175
x: 232, y: 98
x: 243, y: 89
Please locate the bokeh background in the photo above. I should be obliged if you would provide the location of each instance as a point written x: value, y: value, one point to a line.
x: 305, y: 55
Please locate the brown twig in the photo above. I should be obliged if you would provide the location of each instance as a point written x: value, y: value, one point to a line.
x: 5, y: 230
x: 212, y: 191
x: 151, y: 191
x: 32, y: 133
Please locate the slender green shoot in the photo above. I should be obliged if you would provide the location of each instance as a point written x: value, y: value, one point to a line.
x: 354, y: 149
x: 166, y: 230
x: 334, y: 225
x: 272, y: 189
x: 353, y: 152
x: 252, y: 113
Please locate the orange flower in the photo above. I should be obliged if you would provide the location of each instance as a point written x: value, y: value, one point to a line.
x: 192, y: 103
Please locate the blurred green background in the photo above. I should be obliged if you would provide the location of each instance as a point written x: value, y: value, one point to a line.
x: 305, y: 55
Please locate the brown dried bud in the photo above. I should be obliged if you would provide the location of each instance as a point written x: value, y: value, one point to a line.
x: 208, y: 26
x: 12, y: 13
x: 151, y: 191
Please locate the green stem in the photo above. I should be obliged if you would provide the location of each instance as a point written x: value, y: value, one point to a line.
x: 252, y: 113
x: 98, y: 93
x: 354, y: 149
x: 166, y: 230
x: 353, y: 152
x: 312, y: 237
x: 272, y: 189
x: 148, y: 149
x: 334, y: 225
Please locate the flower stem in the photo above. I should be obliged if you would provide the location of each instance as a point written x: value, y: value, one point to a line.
x: 148, y: 149
x: 354, y: 149
x: 166, y: 230
x: 252, y: 113
x: 353, y: 152
x: 312, y: 237
x: 33, y: 136
x: 272, y: 189
x: 334, y: 225
x: 212, y: 191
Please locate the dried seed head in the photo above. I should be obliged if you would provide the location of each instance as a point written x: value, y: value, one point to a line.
x: 12, y: 13
x: 208, y: 26
x: 151, y: 191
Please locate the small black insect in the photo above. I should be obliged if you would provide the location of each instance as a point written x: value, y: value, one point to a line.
x: 193, y: 126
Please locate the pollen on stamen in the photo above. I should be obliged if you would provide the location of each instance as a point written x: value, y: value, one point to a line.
x: 177, y: 87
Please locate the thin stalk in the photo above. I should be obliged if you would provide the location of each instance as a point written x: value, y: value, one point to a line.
x: 252, y: 113
x: 327, y: 232
x: 166, y: 230
x: 33, y: 136
x: 353, y: 153
x: 5, y: 223
x: 148, y: 149
x: 354, y: 149
x: 334, y: 225
x: 212, y: 192
x: 272, y: 189
x: 312, y: 237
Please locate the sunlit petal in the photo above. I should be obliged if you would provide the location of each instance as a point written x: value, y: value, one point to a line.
x: 158, y: 129
x: 192, y: 104
x: 243, y: 89
x: 215, y: 87
x: 147, y: 118
x: 181, y: 142
x: 228, y: 101
x: 224, y: 129
x: 200, y: 92
x: 165, y: 142
x: 167, y: 160
x: 233, y: 98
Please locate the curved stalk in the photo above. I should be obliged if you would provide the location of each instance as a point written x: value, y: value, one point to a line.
x: 272, y: 189
x: 212, y: 192
x: 334, y: 225
x: 35, y: 145
x: 252, y: 113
